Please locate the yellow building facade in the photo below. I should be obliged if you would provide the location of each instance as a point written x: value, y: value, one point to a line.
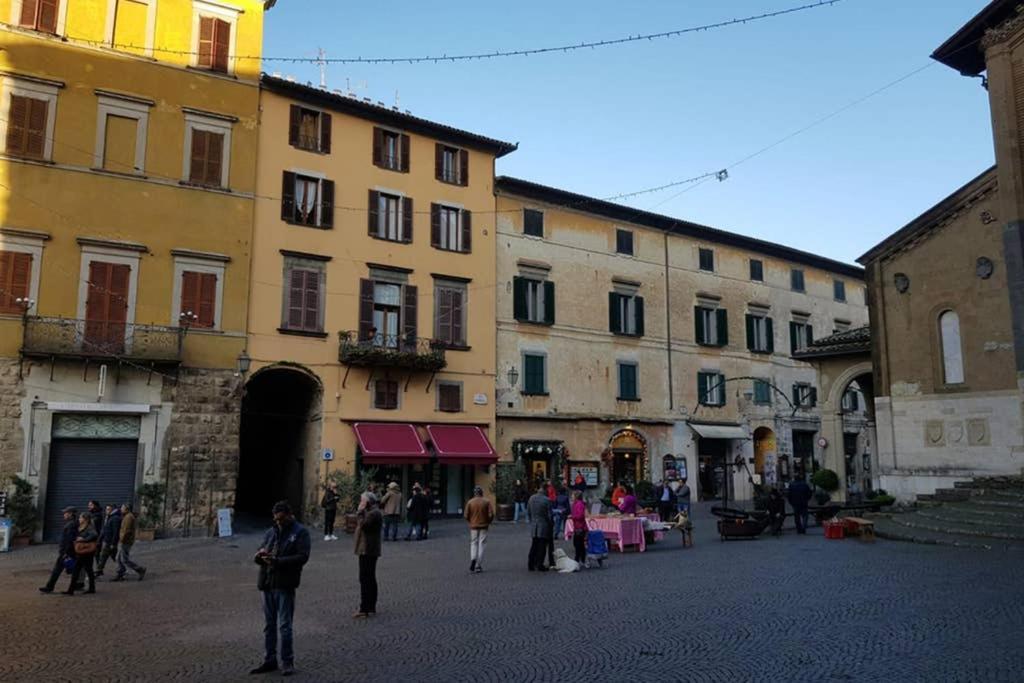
x: 371, y: 320
x: 126, y: 208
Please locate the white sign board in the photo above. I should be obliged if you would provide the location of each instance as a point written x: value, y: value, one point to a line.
x: 5, y: 535
x: 328, y: 454
x: 589, y: 473
x: 480, y: 399
x: 224, y: 522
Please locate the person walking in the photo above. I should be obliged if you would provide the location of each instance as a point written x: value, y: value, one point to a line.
x: 86, y: 543
x: 479, y: 514
x: 367, y: 547
x: 519, y: 496
x: 391, y: 507
x: 683, y: 497
x: 428, y: 498
x: 125, y: 541
x: 539, y: 508
x: 96, y: 515
x: 281, y: 557
x: 667, y: 502
x: 66, y: 549
x: 578, y: 515
x: 330, y: 505
x: 416, y: 513
x: 799, y: 496
x: 559, y: 511
x: 109, y: 537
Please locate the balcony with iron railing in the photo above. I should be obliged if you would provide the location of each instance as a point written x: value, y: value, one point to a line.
x: 47, y: 337
x: 391, y: 351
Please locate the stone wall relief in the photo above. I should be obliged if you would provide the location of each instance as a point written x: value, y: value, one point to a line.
x: 934, y: 433
x: 977, y: 432
x: 955, y: 433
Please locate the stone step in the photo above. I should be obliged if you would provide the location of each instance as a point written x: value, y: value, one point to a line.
x: 925, y: 498
x: 915, y: 520
x: 888, y: 529
x: 954, y: 516
x: 991, y: 511
x: 987, y: 500
x: 952, y: 495
x: 999, y: 494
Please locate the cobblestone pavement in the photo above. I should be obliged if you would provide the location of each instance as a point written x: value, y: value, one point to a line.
x: 797, y: 608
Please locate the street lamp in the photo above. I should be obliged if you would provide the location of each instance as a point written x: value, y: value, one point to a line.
x: 243, y: 362
x: 513, y: 376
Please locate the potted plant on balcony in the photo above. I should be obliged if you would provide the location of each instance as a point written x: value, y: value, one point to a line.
x: 151, y: 501
x: 22, y: 509
x: 503, y: 487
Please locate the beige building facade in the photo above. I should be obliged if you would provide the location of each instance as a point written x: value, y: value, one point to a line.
x: 639, y: 347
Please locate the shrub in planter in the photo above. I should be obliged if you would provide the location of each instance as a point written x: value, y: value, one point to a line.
x: 350, y: 487
x: 827, y: 480
x: 503, y: 487
x: 21, y: 507
x: 151, y: 503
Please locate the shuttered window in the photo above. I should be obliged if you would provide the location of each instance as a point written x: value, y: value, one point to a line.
x: 533, y: 222
x: 624, y: 242
x: 839, y: 290
x: 533, y: 301
x: 106, y: 306
x: 15, y: 281
x: 391, y: 150
x: 804, y: 395
x: 385, y: 394
x: 390, y: 217
x: 760, y: 334
x: 303, y: 303
x: 628, y: 390
x: 711, y: 326
x: 26, y: 127
x: 199, y: 298
x: 40, y: 15
x: 450, y: 314
x: 710, y: 388
x: 207, y: 160
x: 796, y: 280
x: 762, y: 392
x: 309, y: 129
x: 800, y: 336
x: 626, y: 314
x: 306, y: 200
x: 449, y: 397
x: 451, y: 165
x: 707, y: 260
x: 451, y: 229
x: 534, y: 373
x: 756, y: 270
x: 214, y: 44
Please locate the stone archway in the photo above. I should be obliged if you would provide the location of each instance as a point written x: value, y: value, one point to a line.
x: 627, y: 457
x: 764, y: 450
x: 837, y: 421
x: 279, y: 432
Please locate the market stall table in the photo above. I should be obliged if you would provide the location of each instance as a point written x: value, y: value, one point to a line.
x: 623, y: 530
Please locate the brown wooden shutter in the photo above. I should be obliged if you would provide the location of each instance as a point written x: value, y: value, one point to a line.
x: 207, y: 300
x: 466, y: 224
x: 214, y: 158
x: 106, y: 306
x: 288, y: 196
x: 372, y: 227
x: 221, y: 45
x: 438, y: 160
x: 456, y: 313
x: 443, y: 311
x: 294, y: 119
x: 190, y: 294
x: 405, y: 154
x: 365, y: 309
x: 327, y: 203
x: 35, y: 142
x: 407, y: 216
x: 197, y: 166
x: 311, y: 301
x: 435, y: 225
x: 48, y: 15
x: 17, y: 125
x: 28, y: 12
x: 296, y: 287
x: 206, y: 30
x: 378, y: 147
x: 325, y: 133
x: 463, y: 167
x: 410, y: 300
x: 15, y: 277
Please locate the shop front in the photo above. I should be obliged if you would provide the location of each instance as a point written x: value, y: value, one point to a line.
x: 542, y: 460
x: 714, y: 445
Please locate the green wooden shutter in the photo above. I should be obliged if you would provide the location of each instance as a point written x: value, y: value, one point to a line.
x: 796, y: 395
x: 719, y: 382
x: 614, y: 314
x: 549, y: 303
x: 813, y: 396
x: 723, y: 326
x: 698, y: 325
x: 750, y: 332
x: 519, y: 298
x: 702, y: 397
x: 639, y: 316
x: 792, y: 337
x: 770, y: 333
x: 810, y: 335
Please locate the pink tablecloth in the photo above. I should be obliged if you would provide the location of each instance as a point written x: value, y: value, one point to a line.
x: 630, y: 531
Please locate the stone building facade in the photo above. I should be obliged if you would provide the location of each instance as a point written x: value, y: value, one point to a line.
x: 637, y: 346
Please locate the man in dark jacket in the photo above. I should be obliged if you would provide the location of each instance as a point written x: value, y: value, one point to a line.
x: 419, y: 508
x: 367, y: 547
x: 108, y: 538
x: 66, y: 549
x: 285, y: 550
x: 96, y: 513
x: 799, y: 497
x: 539, y: 507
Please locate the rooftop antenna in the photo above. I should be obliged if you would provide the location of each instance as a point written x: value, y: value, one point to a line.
x: 321, y: 61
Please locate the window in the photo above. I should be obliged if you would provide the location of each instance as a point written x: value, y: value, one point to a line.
x: 712, y: 326
x: 626, y: 314
x: 534, y: 374
x: 623, y: 242
x: 198, y: 298
x: 390, y: 217
x: 450, y: 312
x: 387, y: 313
x: 309, y: 129
x: 26, y: 127
x: 214, y: 47
x: 15, y: 280
x: 762, y: 392
x: 391, y: 150
x: 131, y: 26
x: 851, y: 401
x: 796, y: 280
x: 839, y: 290
x: 121, y: 134
x: 804, y: 395
x: 307, y: 200
x: 40, y: 15
x: 710, y: 388
x: 533, y: 301
x: 706, y: 258
x: 449, y: 397
x: 450, y: 228
x: 385, y: 394
x: 840, y: 326
x: 198, y: 289
x: 760, y: 334
x: 451, y: 165
x: 303, y: 300
x: 800, y: 335
x: 533, y: 222
x: 207, y: 149
x: 107, y: 294
x: 756, y: 270
x: 628, y: 381
x: 952, y: 354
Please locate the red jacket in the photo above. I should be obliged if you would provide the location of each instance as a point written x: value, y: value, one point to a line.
x: 551, y: 493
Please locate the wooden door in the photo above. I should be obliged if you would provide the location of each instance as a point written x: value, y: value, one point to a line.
x: 106, y: 307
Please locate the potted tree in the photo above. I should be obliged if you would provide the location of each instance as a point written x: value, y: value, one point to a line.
x: 503, y: 487
x: 825, y: 482
x: 350, y: 487
x: 151, y: 501
x: 22, y: 509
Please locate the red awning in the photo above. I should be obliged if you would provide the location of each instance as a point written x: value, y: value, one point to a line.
x: 461, y: 445
x: 385, y: 443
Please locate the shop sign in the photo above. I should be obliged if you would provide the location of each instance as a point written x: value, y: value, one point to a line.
x: 328, y: 454
x: 224, y: 522
x: 589, y: 473
x: 480, y: 399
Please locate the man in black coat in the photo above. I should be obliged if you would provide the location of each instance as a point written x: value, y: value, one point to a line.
x: 65, y: 550
x: 799, y: 497
x: 419, y: 509
x: 108, y: 538
x: 539, y: 507
x: 285, y: 550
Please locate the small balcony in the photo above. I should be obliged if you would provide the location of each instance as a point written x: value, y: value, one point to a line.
x: 101, y: 340
x: 391, y: 351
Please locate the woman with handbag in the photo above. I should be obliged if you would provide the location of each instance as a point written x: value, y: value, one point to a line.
x: 86, y: 543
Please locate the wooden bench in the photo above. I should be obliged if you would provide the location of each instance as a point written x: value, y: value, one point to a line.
x: 862, y: 528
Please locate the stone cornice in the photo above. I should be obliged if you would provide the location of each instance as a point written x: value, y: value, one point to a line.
x: 1006, y: 30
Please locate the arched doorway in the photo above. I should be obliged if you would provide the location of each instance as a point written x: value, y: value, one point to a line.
x: 857, y: 411
x: 280, y: 428
x: 764, y: 455
x: 627, y: 455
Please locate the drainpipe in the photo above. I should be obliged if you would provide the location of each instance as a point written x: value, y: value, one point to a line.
x: 880, y: 288
x: 668, y: 328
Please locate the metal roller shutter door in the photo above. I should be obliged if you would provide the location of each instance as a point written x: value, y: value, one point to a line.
x: 86, y: 469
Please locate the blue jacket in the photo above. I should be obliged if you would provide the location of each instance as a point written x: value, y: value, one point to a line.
x: 67, y: 537
x: 111, y: 529
x: 799, y: 494
x: 289, y: 549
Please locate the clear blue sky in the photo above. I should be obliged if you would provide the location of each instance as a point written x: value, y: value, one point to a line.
x: 612, y: 120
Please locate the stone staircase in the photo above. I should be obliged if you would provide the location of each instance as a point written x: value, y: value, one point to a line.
x: 985, y: 513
